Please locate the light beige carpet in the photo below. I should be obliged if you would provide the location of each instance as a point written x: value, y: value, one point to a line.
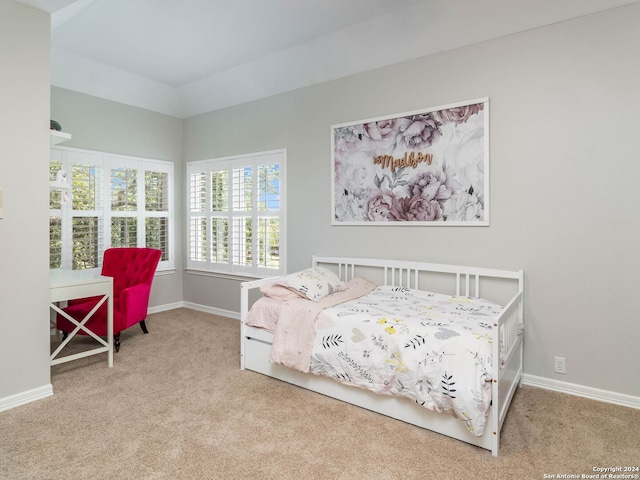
x: 176, y: 406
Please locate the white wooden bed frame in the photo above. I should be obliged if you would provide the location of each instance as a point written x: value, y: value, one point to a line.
x: 256, y: 342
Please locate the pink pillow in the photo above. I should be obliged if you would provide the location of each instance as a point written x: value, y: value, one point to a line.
x: 278, y: 291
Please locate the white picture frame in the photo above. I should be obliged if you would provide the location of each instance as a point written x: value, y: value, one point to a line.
x: 426, y: 167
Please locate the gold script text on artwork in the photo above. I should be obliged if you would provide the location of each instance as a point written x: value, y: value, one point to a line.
x: 412, y: 159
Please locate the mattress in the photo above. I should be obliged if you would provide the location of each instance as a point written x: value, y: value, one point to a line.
x: 434, y: 349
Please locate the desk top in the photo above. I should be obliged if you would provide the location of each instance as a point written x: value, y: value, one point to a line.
x: 65, y: 278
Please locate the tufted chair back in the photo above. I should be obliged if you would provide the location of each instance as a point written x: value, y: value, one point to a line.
x: 130, y: 266
x: 132, y: 270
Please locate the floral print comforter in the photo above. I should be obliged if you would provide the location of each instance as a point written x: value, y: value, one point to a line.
x: 434, y: 349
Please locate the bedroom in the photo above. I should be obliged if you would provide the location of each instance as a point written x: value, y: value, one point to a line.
x: 563, y: 134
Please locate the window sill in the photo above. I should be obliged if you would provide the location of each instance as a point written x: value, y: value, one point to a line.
x: 165, y: 271
x: 239, y: 277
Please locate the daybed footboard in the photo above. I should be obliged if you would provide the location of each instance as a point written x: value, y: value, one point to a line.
x: 508, y: 376
x: 506, y: 341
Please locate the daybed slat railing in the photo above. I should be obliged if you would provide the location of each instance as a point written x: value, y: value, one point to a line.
x: 346, y: 271
x: 464, y: 279
x: 510, y: 328
x: 401, y: 277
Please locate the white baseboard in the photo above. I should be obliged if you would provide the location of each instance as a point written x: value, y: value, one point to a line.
x: 582, y: 391
x: 165, y: 307
x: 212, y: 310
x: 195, y: 306
x: 23, y: 398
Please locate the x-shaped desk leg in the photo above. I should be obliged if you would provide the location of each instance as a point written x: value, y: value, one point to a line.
x: 79, y: 326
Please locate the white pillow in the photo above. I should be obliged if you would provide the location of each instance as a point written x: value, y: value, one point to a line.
x: 313, y: 283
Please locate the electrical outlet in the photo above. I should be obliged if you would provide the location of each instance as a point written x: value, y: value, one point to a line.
x: 561, y: 365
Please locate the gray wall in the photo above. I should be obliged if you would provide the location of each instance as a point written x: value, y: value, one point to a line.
x: 24, y: 235
x: 107, y: 126
x: 564, y: 173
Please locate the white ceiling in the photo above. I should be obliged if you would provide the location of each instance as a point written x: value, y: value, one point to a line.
x: 186, y: 57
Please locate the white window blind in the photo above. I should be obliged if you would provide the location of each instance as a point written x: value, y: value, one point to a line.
x: 87, y: 212
x: 236, y: 214
x: 112, y: 201
x: 156, y: 209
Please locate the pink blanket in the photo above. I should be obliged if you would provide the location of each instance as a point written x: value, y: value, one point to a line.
x: 293, y: 338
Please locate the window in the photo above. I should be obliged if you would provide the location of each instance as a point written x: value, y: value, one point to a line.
x: 111, y: 201
x: 236, y: 214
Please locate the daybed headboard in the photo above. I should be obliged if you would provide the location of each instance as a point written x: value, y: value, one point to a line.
x: 466, y: 281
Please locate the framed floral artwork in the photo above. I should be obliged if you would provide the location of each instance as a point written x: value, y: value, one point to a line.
x: 426, y: 167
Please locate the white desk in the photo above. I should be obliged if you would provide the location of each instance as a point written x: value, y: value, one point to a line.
x: 69, y: 284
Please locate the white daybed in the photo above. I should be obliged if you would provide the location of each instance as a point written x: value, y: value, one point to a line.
x: 500, y: 286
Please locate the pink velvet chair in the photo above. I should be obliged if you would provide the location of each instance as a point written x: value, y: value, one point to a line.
x: 132, y: 270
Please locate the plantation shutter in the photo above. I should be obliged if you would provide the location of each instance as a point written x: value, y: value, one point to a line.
x: 87, y: 211
x: 236, y: 215
x: 107, y: 201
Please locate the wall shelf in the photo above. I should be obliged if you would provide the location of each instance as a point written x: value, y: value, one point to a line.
x: 59, y: 137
